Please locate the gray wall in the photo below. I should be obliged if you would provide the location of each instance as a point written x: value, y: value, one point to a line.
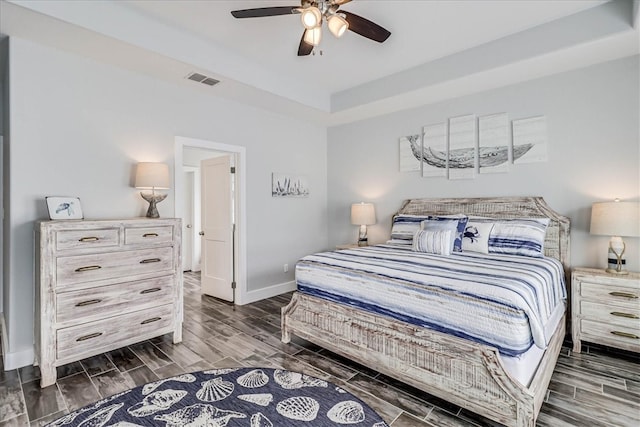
x: 78, y: 127
x: 593, y: 121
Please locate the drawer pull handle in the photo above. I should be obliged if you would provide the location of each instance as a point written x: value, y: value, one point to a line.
x: 153, y: 319
x: 150, y: 235
x: 88, y: 268
x: 88, y: 337
x: 624, y: 295
x: 89, y: 239
x: 627, y: 315
x: 88, y: 302
x: 150, y: 260
x: 149, y: 291
x: 625, y: 334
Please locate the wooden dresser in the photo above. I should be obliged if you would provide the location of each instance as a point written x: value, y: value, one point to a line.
x: 605, y: 309
x: 104, y: 284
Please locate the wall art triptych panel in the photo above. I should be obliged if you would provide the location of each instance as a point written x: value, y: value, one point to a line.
x: 466, y: 145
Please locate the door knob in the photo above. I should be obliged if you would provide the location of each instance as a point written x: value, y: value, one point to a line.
x: 201, y: 233
x: 188, y: 225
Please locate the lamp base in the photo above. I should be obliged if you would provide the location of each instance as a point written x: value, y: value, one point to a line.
x: 153, y: 199
x: 616, y: 272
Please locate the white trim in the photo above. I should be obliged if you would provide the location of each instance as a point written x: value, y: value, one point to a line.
x: 14, y: 360
x: 241, y: 201
x: 269, y: 291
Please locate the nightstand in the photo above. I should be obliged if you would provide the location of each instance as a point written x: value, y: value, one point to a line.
x: 605, y: 309
x: 348, y: 246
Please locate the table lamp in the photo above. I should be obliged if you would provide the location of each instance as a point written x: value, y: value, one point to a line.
x: 616, y: 219
x: 154, y: 176
x: 363, y: 214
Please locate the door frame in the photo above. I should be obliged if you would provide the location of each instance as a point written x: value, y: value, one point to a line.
x: 240, y: 200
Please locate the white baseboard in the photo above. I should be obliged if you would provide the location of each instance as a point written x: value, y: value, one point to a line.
x: 17, y: 359
x: 268, y: 292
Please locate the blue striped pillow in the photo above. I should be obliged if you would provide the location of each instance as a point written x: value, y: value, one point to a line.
x: 433, y: 242
x: 404, y: 227
x: 523, y: 236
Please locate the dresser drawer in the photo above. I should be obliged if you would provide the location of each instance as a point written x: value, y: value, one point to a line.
x: 112, y: 332
x: 93, y: 238
x: 611, y: 294
x: 111, y: 300
x: 73, y: 270
x: 614, y: 335
x: 149, y: 235
x: 610, y: 314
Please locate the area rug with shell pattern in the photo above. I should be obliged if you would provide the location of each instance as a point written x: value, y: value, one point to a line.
x: 249, y: 397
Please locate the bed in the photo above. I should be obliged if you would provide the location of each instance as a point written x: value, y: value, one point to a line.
x: 471, y: 374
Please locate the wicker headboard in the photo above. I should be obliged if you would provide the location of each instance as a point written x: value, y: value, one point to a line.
x: 556, y: 242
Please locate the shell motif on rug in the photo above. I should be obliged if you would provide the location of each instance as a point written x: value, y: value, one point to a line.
x: 347, y: 412
x: 293, y: 380
x: 259, y: 420
x: 214, y: 390
x: 253, y: 379
x: 262, y: 399
x: 101, y: 417
x: 199, y: 415
x: 156, y: 402
x: 220, y: 371
x: 186, y: 378
x: 300, y: 408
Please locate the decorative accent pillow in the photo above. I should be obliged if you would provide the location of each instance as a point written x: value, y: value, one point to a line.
x: 404, y: 227
x: 523, y: 236
x: 476, y: 236
x: 433, y: 242
x: 457, y: 225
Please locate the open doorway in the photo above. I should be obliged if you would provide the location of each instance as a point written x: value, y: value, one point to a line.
x: 189, y: 156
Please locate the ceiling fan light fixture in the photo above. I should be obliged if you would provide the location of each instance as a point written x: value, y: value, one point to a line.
x: 313, y: 36
x: 311, y: 17
x: 337, y: 25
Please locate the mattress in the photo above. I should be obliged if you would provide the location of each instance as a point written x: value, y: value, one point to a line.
x: 508, y: 302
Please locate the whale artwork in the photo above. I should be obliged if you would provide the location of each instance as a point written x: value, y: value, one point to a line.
x: 464, y: 158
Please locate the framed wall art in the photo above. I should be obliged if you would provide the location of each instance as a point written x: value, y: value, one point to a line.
x: 287, y: 185
x: 64, y: 207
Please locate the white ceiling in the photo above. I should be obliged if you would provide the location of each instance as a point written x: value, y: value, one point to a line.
x: 437, y: 49
x: 421, y: 32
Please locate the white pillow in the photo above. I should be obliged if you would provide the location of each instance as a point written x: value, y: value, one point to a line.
x: 433, y: 242
x: 476, y: 237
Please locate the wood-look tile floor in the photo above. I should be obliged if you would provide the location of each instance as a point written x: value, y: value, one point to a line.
x: 598, y: 387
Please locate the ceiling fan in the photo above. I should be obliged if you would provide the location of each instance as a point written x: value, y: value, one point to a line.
x: 313, y: 13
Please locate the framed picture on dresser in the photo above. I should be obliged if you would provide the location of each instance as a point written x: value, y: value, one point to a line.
x: 64, y: 207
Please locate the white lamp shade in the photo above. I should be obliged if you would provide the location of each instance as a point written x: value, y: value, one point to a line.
x: 313, y: 36
x: 363, y: 214
x: 152, y: 175
x: 311, y: 17
x: 337, y: 25
x: 615, y: 218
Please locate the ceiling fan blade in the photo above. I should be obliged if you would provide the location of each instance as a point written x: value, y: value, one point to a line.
x: 366, y: 28
x: 305, y: 48
x: 340, y: 2
x: 265, y: 11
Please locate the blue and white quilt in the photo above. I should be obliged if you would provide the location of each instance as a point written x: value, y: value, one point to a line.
x: 506, y: 301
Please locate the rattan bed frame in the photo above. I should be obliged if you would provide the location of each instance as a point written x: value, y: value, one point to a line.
x: 460, y: 371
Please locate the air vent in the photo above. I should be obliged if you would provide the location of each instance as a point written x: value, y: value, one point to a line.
x: 201, y: 78
x: 209, y: 81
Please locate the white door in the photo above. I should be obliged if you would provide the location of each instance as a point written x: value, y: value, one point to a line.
x: 217, y: 227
